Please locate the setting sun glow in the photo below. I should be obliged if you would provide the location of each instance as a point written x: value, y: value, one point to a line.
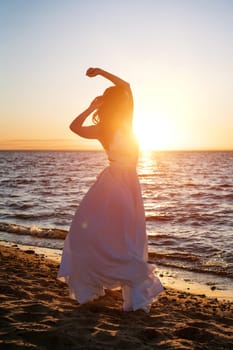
x: 154, y: 133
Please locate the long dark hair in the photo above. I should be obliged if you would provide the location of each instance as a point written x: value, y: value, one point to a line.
x: 115, y: 112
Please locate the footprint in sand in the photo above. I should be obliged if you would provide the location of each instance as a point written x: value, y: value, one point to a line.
x: 32, y: 313
x: 193, y: 333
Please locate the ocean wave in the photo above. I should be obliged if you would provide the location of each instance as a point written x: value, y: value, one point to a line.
x: 181, y: 259
x: 162, y: 239
x: 20, y: 181
x: 160, y: 217
x: 174, y: 256
x: 226, y: 185
x: 154, y: 238
x: 194, y: 219
x: 190, y: 263
x: 212, y: 196
x: 29, y: 216
x: 33, y: 231
x: 20, y: 205
x: 202, y: 219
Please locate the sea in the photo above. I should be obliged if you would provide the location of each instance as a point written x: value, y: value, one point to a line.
x: 188, y: 200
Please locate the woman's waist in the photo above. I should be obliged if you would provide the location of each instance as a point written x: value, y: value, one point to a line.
x: 122, y: 163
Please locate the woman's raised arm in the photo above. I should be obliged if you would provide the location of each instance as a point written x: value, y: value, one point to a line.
x: 92, y: 72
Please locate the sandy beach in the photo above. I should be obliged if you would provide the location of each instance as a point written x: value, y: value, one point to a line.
x: 36, y: 313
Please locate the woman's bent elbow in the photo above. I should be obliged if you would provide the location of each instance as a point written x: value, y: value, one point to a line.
x: 73, y: 128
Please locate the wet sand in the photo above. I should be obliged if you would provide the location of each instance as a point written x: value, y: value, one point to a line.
x: 36, y: 313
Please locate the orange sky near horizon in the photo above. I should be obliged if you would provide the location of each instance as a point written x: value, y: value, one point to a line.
x: 177, y: 55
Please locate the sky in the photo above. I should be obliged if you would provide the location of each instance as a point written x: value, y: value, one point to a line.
x: 176, y: 54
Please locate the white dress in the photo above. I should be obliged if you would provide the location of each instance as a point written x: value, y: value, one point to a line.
x: 106, y: 246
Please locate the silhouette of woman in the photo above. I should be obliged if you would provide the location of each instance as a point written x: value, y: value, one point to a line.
x: 106, y: 246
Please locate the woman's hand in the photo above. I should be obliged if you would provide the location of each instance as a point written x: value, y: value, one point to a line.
x: 96, y: 103
x: 92, y: 72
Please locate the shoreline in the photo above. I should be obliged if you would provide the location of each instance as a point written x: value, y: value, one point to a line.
x: 36, y: 313
x: 180, y: 280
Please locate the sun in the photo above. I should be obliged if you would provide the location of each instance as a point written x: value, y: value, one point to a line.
x: 154, y: 132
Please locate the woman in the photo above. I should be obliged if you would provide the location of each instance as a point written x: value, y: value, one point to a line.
x: 106, y: 246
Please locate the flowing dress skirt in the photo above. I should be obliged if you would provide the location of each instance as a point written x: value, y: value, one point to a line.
x: 106, y: 246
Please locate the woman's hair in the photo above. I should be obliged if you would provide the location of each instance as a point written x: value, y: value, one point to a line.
x: 115, y: 112
x: 116, y: 106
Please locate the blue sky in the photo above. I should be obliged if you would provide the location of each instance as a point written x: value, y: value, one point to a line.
x: 177, y: 55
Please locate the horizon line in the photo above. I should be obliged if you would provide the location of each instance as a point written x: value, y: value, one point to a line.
x: 101, y: 149
x: 83, y: 145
